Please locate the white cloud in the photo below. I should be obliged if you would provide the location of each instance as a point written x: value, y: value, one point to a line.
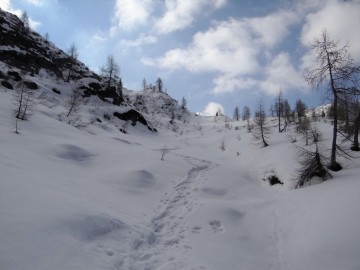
x: 212, y: 108
x: 341, y: 19
x: 142, y: 40
x: 6, y: 5
x: 272, y: 28
x: 36, y: 2
x: 181, y: 13
x: 223, y: 48
x: 131, y: 13
x: 231, y: 50
x: 34, y: 24
x: 226, y: 83
x: 281, y: 74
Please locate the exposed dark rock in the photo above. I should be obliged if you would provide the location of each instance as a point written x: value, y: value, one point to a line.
x: 133, y: 116
x: 107, y: 117
x: 56, y: 91
x: 15, y: 75
x: 32, y: 52
x: 274, y: 180
x: 105, y: 95
x: 7, y: 85
x: 31, y: 85
x: 110, y: 93
x: 95, y: 86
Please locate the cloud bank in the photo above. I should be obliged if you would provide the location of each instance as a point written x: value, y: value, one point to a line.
x: 243, y: 53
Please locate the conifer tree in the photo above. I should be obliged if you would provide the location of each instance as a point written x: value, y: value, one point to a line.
x: 236, y: 113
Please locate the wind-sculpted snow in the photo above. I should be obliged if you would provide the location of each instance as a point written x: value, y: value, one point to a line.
x: 140, y: 179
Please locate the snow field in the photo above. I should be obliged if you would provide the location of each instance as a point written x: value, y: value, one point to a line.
x: 99, y: 199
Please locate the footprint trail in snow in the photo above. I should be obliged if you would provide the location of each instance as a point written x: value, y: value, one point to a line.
x: 167, y: 229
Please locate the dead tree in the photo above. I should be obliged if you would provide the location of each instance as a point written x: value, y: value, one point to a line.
x: 73, y: 54
x: 279, y: 108
x: 23, y: 102
x: 26, y: 22
x: 261, y: 130
x: 73, y: 106
x: 110, y: 72
x: 236, y: 114
x: 336, y: 68
x: 355, y: 146
x: 246, y: 116
x: 303, y: 127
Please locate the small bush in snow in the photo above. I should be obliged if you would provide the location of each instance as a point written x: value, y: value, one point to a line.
x: 312, y: 165
x: 222, y: 145
x: 164, y: 151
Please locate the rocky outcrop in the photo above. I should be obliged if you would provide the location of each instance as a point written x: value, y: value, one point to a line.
x: 134, y: 117
x: 30, y: 52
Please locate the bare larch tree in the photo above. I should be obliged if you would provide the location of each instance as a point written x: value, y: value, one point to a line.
x: 73, y: 54
x: 261, y: 130
x: 335, y: 68
x: 110, y: 72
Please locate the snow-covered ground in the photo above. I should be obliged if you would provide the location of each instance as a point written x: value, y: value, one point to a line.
x: 100, y: 199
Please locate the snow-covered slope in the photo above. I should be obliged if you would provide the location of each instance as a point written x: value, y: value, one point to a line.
x: 27, y: 50
x: 97, y: 198
x: 161, y: 108
x: 114, y: 194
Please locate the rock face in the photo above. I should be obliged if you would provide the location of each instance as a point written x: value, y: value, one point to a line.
x: 30, y: 52
x: 29, y: 56
x: 97, y: 90
x: 133, y: 116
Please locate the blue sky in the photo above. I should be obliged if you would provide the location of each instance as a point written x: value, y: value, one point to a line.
x: 213, y: 52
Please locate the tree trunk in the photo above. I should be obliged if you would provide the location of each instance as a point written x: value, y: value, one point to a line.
x: 334, y: 166
x: 355, y: 146
x: 279, y: 120
x: 263, y: 139
x: 20, y: 103
x: 262, y: 129
x: 70, y: 109
x: 347, y: 120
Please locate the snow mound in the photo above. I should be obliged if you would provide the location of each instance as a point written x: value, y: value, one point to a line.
x: 73, y: 153
x: 139, y: 179
x: 92, y: 227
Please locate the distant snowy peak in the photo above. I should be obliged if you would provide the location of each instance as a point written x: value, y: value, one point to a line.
x: 319, y: 110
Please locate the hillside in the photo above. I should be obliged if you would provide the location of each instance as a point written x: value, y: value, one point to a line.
x: 101, y: 199
x: 142, y: 184
x: 29, y: 60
